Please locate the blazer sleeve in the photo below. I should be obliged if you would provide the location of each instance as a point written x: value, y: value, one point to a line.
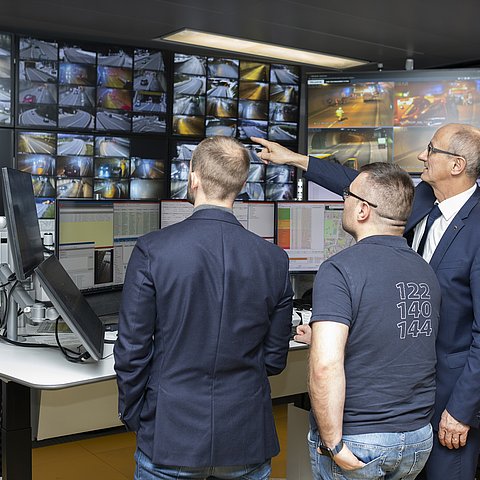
x: 332, y: 176
x: 464, y: 401
x: 133, y: 349
x: 277, y: 340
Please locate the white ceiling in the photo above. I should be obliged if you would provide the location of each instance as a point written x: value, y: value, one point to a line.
x: 435, y: 33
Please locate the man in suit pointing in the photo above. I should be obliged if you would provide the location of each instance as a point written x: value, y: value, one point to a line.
x: 205, y: 317
x: 451, y: 244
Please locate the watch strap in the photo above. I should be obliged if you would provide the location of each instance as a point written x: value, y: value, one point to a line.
x: 331, y: 452
x: 336, y: 449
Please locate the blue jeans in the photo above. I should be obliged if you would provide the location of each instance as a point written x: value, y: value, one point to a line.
x: 146, y: 470
x: 388, y: 456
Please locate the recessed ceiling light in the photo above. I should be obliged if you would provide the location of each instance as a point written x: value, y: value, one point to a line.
x: 260, y: 49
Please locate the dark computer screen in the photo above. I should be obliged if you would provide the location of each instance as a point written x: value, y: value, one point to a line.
x: 310, y: 233
x: 95, y: 238
x: 72, y: 306
x: 22, y: 223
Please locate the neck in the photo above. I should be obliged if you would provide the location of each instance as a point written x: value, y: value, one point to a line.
x: 201, y: 199
x: 391, y: 231
x: 442, y: 192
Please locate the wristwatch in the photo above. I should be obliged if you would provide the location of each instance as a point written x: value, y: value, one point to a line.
x: 331, y: 452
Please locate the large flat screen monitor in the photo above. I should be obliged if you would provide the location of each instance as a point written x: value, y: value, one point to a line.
x: 310, y: 233
x: 258, y: 217
x: 22, y: 224
x: 95, y: 239
x: 72, y: 306
x: 356, y: 118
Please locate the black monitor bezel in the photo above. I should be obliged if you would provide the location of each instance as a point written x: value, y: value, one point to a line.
x: 12, y: 192
x: 78, y: 322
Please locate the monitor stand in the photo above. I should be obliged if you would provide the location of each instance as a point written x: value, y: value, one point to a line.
x: 16, y: 296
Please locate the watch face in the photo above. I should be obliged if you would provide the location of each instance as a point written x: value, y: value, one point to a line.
x: 325, y: 450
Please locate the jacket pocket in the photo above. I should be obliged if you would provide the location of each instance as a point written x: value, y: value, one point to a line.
x: 457, y: 360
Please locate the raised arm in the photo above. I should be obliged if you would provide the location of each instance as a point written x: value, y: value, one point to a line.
x: 276, y: 153
x: 332, y: 176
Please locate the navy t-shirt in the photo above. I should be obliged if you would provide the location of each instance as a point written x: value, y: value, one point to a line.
x: 389, y: 297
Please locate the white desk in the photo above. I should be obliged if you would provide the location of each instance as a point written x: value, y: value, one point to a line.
x: 47, y: 368
x: 22, y: 369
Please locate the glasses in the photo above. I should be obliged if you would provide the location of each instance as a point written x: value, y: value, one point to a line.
x: 432, y: 149
x: 347, y: 193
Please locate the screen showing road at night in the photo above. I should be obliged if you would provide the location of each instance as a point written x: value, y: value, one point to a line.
x: 386, y: 116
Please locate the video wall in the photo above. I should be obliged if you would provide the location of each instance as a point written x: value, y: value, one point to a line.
x: 231, y: 97
x: 264, y: 182
x: 5, y: 79
x: 76, y: 87
x: 87, y: 166
x: 82, y: 111
x: 225, y: 96
x: 386, y: 116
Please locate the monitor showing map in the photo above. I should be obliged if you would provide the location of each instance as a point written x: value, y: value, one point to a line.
x: 310, y: 233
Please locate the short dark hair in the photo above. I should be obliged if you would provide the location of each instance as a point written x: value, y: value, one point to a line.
x: 391, y: 188
x: 222, y: 164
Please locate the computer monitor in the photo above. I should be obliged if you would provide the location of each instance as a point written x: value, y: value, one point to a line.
x: 310, y: 233
x: 258, y: 217
x: 22, y: 224
x: 96, y: 238
x: 356, y: 118
x: 72, y: 306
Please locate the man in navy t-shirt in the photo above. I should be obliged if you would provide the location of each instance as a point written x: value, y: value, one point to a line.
x: 374, y: 324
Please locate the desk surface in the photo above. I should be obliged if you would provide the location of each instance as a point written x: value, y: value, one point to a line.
x: 47, y: 369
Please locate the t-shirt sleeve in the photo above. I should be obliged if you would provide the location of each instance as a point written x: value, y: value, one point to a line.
x: 331, y: 295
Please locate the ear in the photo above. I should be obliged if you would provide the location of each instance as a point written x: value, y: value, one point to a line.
x: 459, y: 165
x: 363, y: 211
x: 194, y: 180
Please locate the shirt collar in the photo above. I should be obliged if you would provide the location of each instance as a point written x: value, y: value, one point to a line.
x: 451, y: 206
x: 204, y: 206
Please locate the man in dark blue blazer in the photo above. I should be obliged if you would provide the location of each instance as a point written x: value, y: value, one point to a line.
x: 205, y: 318
x: 451, y: 168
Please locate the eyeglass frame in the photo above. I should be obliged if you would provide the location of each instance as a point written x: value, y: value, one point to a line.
x: 431, y: 149
x: 347, y: 193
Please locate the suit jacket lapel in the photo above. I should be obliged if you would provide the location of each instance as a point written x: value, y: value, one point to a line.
x: 454, y: 228
x: 423, y: 203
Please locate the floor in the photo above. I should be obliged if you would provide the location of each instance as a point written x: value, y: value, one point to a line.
x: 110, y: 457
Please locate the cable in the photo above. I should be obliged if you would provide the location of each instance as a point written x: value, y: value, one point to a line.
x: 4, y: 307
x: 7, y: 305
x: 66, y: 352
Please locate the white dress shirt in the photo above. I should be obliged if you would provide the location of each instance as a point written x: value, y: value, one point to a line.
x: 449, y: 208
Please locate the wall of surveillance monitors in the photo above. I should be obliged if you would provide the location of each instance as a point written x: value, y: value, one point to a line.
x: 5, y: 79
x: 386, y: 116
x: 80, y: 112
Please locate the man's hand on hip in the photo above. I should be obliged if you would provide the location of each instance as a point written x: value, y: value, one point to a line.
x: 346, y: 460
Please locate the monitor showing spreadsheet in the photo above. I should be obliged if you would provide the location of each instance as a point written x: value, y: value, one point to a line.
x: 96, y: 239
x: 258, y: 217
x: 310, y: 232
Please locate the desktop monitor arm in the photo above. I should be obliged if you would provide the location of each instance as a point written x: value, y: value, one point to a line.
x: 16, y: 296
